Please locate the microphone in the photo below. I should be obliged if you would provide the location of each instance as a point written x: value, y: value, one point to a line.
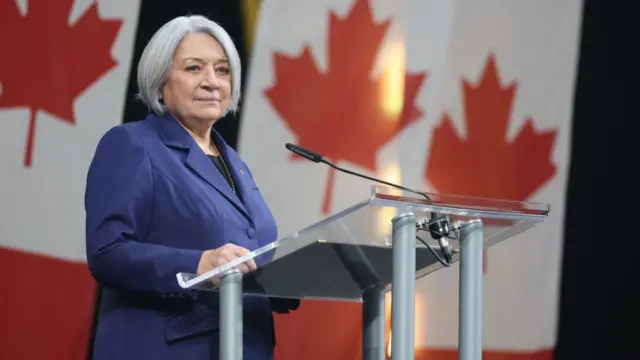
x: 315, y: 157
x: 438, y: 225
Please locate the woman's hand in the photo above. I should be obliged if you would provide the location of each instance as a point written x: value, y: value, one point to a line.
x: 213, y: 258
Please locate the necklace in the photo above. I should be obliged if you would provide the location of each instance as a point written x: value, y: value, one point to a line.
x: 224, y: 165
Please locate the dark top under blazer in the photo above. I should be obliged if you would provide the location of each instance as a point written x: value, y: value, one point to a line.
x: 154, y: 202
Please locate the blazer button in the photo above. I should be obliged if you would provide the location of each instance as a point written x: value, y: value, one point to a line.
x: 251, y: 233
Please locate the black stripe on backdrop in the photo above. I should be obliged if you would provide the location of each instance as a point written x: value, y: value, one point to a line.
x: 598, y: 259
x: 152, y: 15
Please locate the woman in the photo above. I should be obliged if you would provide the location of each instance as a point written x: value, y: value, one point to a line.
x: 167, y: 195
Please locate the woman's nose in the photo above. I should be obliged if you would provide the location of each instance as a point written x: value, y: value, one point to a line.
x: 212, y: 79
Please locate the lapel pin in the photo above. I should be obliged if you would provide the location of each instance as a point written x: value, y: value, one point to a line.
x: 241, y: 171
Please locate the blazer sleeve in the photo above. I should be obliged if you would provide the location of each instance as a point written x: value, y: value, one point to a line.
x: 119, y: 205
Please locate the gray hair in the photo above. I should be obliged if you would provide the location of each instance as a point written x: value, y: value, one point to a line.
x: 153, y: 67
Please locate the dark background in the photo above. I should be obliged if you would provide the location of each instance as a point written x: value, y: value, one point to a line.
x: 594, y: 303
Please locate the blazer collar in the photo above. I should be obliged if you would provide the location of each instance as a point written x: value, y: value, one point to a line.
x: 174, y: 135
x: 171, y: 132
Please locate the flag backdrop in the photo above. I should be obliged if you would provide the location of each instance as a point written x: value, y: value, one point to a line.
x: 63, y: 70
x: 464, y: 97
x: 67, y: 74
x: 463, y: 90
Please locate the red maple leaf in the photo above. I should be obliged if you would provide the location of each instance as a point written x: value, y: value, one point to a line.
x: 46, y: 63
x: 485, y: 163
x: 339, y: 112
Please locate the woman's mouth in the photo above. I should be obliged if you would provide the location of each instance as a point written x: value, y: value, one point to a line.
x: 209, y: 100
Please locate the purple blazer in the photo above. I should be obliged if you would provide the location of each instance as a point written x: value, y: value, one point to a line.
x: 154, y: 202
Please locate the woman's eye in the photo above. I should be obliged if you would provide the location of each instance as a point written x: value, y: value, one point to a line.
x: 222, y: 70
x: 193, y: 68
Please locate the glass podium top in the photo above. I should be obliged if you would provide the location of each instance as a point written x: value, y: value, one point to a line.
x: 340, y: 256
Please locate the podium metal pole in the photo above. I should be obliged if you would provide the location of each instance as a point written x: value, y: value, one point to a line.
x: 373, y: 324
x: 231, y: 315
x: 403, y: 286
x: 470, y: 316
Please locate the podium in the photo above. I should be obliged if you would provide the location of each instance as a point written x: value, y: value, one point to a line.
x: 377, y: 245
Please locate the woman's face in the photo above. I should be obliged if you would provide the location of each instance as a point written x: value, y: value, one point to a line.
x: 198, y: 86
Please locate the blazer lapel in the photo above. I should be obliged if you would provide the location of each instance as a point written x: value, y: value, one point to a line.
x: 236, y: 166
x: 174, y: 135
x: 199, y: 163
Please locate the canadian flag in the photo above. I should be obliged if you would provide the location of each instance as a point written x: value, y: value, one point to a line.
x: 463, y: 97
x: 63, y: 75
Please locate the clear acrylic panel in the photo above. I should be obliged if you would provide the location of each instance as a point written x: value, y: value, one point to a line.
x: 341, y: 255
